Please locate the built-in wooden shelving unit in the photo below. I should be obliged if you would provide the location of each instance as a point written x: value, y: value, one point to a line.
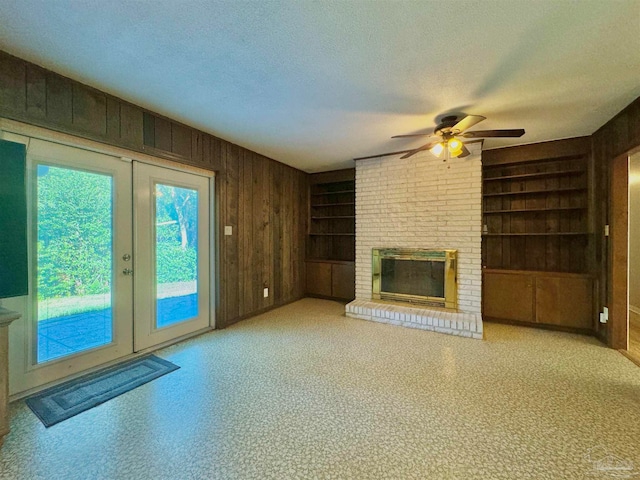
x: 332, y: 219
x: 535, y: 213
x: 331, y: 236
x: 537, y: 241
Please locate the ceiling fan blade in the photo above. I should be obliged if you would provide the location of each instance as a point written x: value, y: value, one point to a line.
x: 465, y: 152
x: 517, y: 132
x: 414, y: 135
x: 419, y: 149
x: 383, y: 154
x: 467, y: 122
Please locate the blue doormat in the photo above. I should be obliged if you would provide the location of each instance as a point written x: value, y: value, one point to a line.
x: 66, y: 400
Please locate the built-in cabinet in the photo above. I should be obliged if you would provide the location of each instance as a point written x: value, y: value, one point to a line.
x: 331, y: 236
x: 543, y: 298
x: 330, y: 278
x: 537, y: 234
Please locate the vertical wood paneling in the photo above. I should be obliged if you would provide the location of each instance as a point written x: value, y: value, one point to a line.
x: 13, y: 90
x: 196, y: 146
x: 287, y: 244
x: 162, y: 134
x: 206, y: 151
x: 617, y: 137
x: 633, y: 114
x: 131, y: 126
x: 113, y: 119
x: 263, y: 200
x: 276, y: 226
x: 302, y: 213
x: 36, y: 90
x: 217, y: 158
x: 59, y: 101
x: 231, y: 259
x: 149, y: 129
x: 241, y: 227
x: 257, y: 228
x: 246, y: 199
x: 89, y: 110
x: 181, y: 141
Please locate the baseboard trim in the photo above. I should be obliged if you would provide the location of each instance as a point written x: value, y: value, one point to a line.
x: 635, y: 359
x: 257, y: 312
x: 542, y: 326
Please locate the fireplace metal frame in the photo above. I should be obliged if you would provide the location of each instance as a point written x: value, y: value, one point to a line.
x: 449, y: 257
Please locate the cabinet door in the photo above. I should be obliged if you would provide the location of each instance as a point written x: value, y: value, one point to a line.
x: 508, y: 296
x: 566, y: 301
x: 343, y: 280
x: 319, y: 278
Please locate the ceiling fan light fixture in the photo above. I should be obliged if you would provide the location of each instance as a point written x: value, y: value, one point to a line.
x: 437, y: 149
x: 455, y: 146
x: 448, y: 146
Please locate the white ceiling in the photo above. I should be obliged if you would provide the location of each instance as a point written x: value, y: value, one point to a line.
x: 315, y: 83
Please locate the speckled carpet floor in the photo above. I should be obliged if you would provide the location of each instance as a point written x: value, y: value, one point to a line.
x: 304, y: 392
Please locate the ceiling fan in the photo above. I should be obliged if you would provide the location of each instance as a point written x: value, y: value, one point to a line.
x: 449, y: 142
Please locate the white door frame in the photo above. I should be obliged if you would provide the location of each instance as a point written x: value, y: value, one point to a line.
x: 26, y: 371
x: 12, y: 130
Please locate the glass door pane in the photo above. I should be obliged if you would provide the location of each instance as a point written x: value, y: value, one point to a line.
x: 176, y: 252
x: 74, y: 261
x: 171, y: 263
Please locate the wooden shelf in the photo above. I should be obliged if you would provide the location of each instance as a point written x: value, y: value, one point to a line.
x: 331, y: 234
x: 531, y: 234
x: 333, y: 193
x: 564, y: 159
x: 535, y: 175
x: 332, y: 217
x: 530, y: 210
x: 324, y: 260
x: 332, y: 204
x: 529, y: 192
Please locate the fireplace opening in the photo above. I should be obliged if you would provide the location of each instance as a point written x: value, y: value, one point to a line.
x: 418, y: 276
x: 412, y: 277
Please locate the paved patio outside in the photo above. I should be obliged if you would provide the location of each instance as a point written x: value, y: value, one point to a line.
x: 69, y: 334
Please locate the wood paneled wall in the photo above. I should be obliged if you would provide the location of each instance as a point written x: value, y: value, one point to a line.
x: 618, y: 136
x: 264, y: 201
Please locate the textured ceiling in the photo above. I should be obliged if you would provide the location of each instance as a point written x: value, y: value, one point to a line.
x: 314, y: 84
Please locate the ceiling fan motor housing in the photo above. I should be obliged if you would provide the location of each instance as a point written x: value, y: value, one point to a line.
x: 444, y: 128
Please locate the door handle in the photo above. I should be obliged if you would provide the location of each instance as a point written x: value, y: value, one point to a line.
x: 127, y: 271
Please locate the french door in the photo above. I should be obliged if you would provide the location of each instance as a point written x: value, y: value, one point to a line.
x: 119, y: 261
x: 171, y: 279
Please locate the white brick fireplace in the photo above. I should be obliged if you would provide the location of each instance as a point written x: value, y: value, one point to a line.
x: 421, y: 202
